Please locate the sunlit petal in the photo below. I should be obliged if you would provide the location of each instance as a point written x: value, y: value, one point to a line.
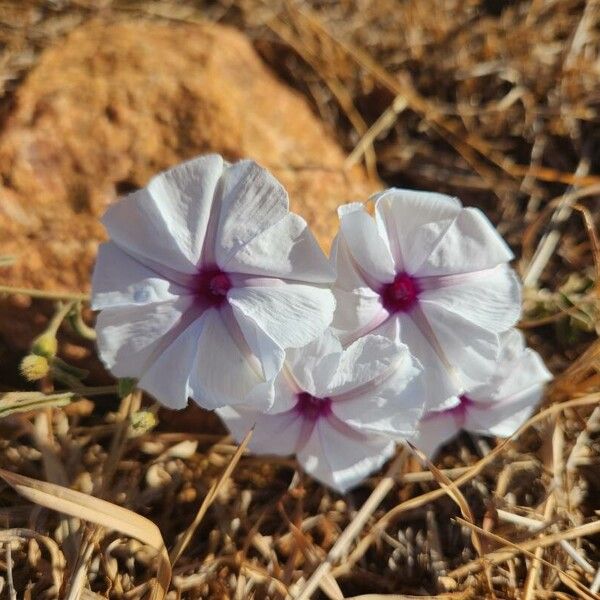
x: 435, y: 430
x: 277, y: 434
x: 490, y: 299
x: 340, y: 457
x: 293, y: 315
x: 164, y: 224
x: 401, y: 213
x: 287, y: 250
x: 127, y: 336
x: 368, y: 249
x: 251, y: 201
x: 224, y: 372
x: 120, y: 280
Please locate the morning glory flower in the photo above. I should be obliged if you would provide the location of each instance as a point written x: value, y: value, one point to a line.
x: 338, y: 410
x: 437, y: 271
x: 206, y: 280
x: 498, y: 407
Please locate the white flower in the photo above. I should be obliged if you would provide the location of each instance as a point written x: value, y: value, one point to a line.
x: 206, y: 280
x: 498, y: 407
x: 338, y: 410
x: 439, y: 272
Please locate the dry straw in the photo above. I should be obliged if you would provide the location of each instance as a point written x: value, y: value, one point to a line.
x: 495, y: 102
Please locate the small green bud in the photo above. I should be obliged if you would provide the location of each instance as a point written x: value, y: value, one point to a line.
x: 141, y: 422
x: 34, y: 367
x: 45, y: 345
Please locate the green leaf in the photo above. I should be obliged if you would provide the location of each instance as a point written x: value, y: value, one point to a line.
x: 16, y: 402
x: 125, y: 386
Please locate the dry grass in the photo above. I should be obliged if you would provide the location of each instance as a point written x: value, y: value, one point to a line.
x: 495, y: 102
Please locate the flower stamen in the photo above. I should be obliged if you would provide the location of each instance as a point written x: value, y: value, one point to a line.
x: 401, y: 295
x: 211, y: 286
x: 311, y: 407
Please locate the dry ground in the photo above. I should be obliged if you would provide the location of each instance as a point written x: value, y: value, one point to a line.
x: 496, y: 102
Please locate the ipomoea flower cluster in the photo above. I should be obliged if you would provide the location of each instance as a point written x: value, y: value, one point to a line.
x: 211, y: 289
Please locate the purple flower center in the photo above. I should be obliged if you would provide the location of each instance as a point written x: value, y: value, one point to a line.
x: 311, y: 407
x: 401, y: 295
x: 460, y: 410
x: 211, y: 286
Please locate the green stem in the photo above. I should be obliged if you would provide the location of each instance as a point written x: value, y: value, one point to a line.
x: 79, y: 325
x: 101, y: 390
x: 60, y: 365
x: 59, y: 316
x: 46, y: 295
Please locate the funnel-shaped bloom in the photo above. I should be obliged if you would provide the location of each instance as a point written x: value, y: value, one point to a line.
x: 437, y: 271
x: 498, y: 407
x: 206, y: 280
x: 338, y: 410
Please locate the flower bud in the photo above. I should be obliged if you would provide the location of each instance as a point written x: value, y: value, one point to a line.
x: 34, y: 367
x: 45, y: 345
x: 141, y: 422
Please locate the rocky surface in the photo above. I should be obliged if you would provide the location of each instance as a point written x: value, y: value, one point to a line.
x: 113, y: 103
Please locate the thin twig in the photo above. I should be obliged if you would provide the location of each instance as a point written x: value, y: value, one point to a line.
x: 12, y: 593
x: 549, y: 241
x: 503, y: 554
x: 355, y: 527
x: 184, y: 540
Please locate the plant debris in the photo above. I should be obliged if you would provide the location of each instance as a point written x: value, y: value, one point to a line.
x: 495, y: 102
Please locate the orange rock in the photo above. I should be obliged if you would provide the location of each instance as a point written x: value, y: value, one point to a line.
x: 112, y: 104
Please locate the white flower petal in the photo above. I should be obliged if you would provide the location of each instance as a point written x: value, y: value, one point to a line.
x: 129, y: 335
x: 285, y: 396
x: 271, y: 358
x: 439, y: 382
x: 356, y: 313
x: 268, y: 353
x: 251, y: 201
x: 292, y: 315
x: 348, y: 275
x: 391, y: 406
x: 467, y: 243
x: 286, y: 250
x: 223, y: 372
x: 314, y: 365
x: 490, y: 299
x: 368, y: 251
x: 358, y: 306
x: 167, y: 377
x: 519, y: 371
x: 277, y: 435
x: 502, y: 419
x: 502, y: 404
x: 400, y: 213
x: 471, y: 350
x: 120, y: 280
x: 164, y: 224
x: 435, y: 430
x: 365, y: 360
x: 340, y: 457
